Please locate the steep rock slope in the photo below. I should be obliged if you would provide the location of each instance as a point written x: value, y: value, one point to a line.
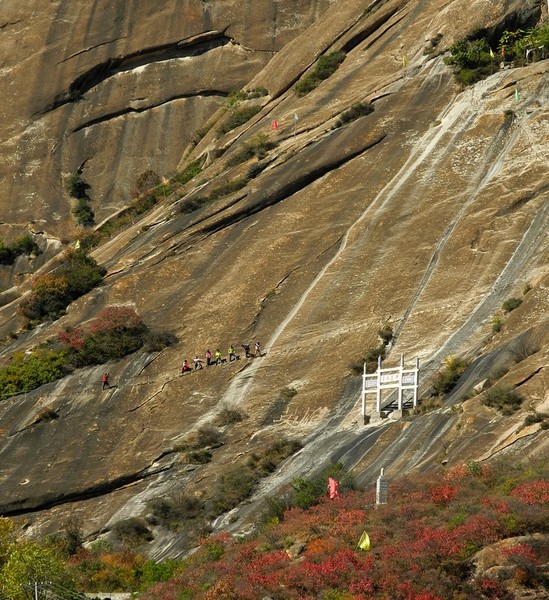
x: 119, y: 89
x: 427, y: 214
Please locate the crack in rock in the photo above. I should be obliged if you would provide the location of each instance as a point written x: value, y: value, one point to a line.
x: 102, y: 71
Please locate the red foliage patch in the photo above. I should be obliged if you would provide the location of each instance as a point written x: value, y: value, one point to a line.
x: 116, y: 318
x: 443, y: 493
x: 73, y: 337
x: 532, y: 492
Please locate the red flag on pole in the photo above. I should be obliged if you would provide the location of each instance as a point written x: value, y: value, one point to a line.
x: 333, y: 486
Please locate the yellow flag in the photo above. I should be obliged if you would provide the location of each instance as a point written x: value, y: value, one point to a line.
x: 491, y: 53
x: 364, y: 542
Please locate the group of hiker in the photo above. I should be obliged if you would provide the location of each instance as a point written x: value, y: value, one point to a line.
x: 217, y: 358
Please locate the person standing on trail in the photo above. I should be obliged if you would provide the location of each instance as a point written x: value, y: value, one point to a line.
x: 257, y: 349
x: 217, y: 356
x: 230, y: 352
x: 197, y: 363
x: 105, y: 381
x: 208, y: 358
x: 246, y: 348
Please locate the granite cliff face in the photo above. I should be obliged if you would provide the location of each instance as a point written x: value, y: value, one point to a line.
x: 426, y: 214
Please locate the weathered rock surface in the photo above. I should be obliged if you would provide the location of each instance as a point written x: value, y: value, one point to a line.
x: 427, y: 214
x: 119, y: 90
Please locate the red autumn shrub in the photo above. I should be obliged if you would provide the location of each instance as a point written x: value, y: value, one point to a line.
x: 532, y: 492
x: 116, y: 318
x: 72, y: 337
x: 443, y: 493
x: 479, y: 530
x: 490, y: 588
x: 521, y: 553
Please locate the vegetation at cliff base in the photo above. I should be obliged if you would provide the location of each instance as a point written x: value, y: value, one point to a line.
x: 23, y: 561
x: 423, y: 543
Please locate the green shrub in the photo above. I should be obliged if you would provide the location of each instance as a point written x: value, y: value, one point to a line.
x: 231, y: 488
x: 173, y: 512
x: 427, y: 405
x: 22, y: 245
x: 52, y: 293
x: 510, y: 304
x: 237, y: 117
x: 76, y: 186
x: 72, y: 538
x: 200, y: 457
x: 535, y: 417
x: 325, y: 66
x: 514, y: 43
x: 472, y: 60
x: 190, y: 171
x: 371, y: 359
x: 236, y: 484
x: 497, y: 323
x: 446, y: 379
x: 87, y: 240
x: 386, y: 334
x: 227, y: 188
x: 142, y: 203
x: 83, y: 213
x: 81, y: 272
x: 257, y: 147
x: 26, y: 373
x: 266, y: 463
x: 78, y: 189
x: 361, y: 109
x: 191, y: 204
x: 503, y: 398
x: 228, y: 416
x: 132, y: 531
x: 287, y: 393
x: 307, y: 492
x: 208, y: 436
